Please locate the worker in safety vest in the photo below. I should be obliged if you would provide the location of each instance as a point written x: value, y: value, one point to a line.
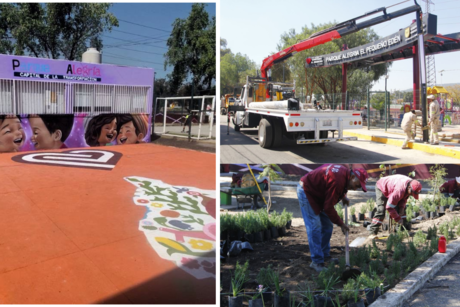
x: 451, y: 188
x: 391, y: 195
x: 408, y: 125
x: 435, y: 113
x: 318, y: 192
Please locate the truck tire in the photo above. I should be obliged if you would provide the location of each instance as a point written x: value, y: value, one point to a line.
x: 265, y: 133
x: 277, y: 132
x: 236, y: 127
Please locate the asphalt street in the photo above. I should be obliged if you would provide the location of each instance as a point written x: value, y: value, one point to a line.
x: 242, y: 147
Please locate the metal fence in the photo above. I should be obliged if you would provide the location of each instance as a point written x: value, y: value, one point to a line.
x: 171, y: 113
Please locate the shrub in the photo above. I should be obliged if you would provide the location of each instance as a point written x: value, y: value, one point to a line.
x: 352, y: 210
x: 419, y: 238
x: 432, y: 233
x: 375, y: 252
x: 363, y: 209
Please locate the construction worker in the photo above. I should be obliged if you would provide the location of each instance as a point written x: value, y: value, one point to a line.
x: 391, y: 195
x: 318, y: 192
x: 435, y: 113
x: 409, y: 121
x: 451, y: 188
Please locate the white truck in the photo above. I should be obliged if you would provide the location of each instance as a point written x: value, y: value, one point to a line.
x: 287, y: 117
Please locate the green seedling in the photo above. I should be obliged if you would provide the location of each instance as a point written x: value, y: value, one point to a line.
x: 352, y: 210
x: 419, y: 238
x: 264, y: 277
x: 241, y: 276
x: 375, y: 252
x: 306, y: 293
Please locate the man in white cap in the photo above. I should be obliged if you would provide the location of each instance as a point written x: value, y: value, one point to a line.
x: 434, y: 119
x: 451, y: 188
x: 409, y: 121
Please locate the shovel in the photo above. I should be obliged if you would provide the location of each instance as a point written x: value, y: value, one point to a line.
x: 349, y: 272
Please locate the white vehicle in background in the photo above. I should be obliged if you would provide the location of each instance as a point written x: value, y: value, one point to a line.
x: 283, y: 115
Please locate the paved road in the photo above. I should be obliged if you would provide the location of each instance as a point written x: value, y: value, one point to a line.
x: 243, y: 148
x: 443, y: 290
x: 177, y: 128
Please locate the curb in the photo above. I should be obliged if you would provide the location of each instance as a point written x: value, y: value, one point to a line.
x: 432, y: 149
x: 404, y: 290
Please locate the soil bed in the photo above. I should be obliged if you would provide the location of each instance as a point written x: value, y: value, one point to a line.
x: 290, y: 255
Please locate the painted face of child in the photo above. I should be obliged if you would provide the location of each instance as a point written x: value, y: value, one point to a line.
x: 11, y: 135
x: 108, y: 133
x: 42, y: 138
x: 127, y: 134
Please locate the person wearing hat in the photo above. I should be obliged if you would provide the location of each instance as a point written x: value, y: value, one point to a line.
x: 451, y: 188
x: 435, y: 113
x: 318, y: 192
x: 391, y: 195
x: 409, y: 121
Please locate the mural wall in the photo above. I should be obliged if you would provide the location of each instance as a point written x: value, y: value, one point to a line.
x: 45, y: 131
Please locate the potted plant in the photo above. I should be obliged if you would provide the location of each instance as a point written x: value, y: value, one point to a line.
x: 372, y: 284
x: 409, y: 216
x: 262, y: 217
x: 442, y: 206
x: 249, y: 227
x: 273, y: 222
x: 308, y: 300
x: 264, y: 278
x: 362, y: 211
x: 257, y: 299
x: 288, y: 217
x: 352, y: 214
x: 416, y: 210
x: 351, y: 294
x: 451, y: 201
x: 432, y: 211
x: 324, y: 299
x: 281, y: 297
x: 240, y: 277
x: 370, y: 208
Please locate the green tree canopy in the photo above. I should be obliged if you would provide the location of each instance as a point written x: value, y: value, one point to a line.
x: 328, y: 80
x: 192, y: 49
x: 378, y: 101
x: 53, y: 30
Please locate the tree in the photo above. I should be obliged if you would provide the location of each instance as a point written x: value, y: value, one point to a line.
x: 192, y: 49
x: 328, y: 80
x: 53, y: 30
x: 408, y: 97
x: 223, y: 47
x: 378, y: 102
x: 233, y: 71
x: 454, y: 92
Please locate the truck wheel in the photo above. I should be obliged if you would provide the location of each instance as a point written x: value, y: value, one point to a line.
x: 277, y: 132
x: 265, y: 133
x: 236, y: 127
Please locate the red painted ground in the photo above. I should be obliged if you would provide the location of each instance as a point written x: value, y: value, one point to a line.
x: 70, y: 235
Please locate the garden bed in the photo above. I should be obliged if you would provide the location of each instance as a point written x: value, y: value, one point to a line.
x: 290, y: 256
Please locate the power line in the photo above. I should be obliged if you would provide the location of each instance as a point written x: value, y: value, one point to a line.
x: 140, y: 51
x: 125, y: 40
x: 141, y: 25
x: 140, y: 42
x: 126, y: 58
x: 141, y: 35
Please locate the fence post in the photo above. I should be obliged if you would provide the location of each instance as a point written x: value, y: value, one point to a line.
x: 368, y: 111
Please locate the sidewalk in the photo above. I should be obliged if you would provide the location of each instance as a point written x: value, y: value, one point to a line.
x: 449, y: 146
x: 79, y: 234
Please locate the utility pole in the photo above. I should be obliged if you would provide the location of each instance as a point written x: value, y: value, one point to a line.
x: 430, y: 63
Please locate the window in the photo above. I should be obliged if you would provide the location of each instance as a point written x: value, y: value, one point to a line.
x: 6, y: 97
x: 34, y: 97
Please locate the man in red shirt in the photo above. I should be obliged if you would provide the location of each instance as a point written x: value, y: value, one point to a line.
x: 451, y: 188
x: 318, y: 192
x: 391, y: 194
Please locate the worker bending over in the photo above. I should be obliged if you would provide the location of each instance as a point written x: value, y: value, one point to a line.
x: 409, y: 121
x: 318, y: 192
x: 451, y: 188
x: 391, y: 194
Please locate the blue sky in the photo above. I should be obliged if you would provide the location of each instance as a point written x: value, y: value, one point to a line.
x: 254, y: 28
x: 149, y: 53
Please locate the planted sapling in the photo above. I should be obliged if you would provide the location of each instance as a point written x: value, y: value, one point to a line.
x: 375, y: 252
x: 241, y: 276
x: 419, y: 238
x: 264, y: 276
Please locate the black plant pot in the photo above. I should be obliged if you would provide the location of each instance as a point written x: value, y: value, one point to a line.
x: 361, y: 216
x: 258, y: 237
x: 274, y: 232
x: 282, y: 231
x: 249, y: 237
x: 385, y: 226
x: 372, y: 295
x: 370, y: 214
x: 235, y: 301
x: 323, y: 301
x: 282, y: 301
x: 451, y: 208
x: 408, y: 226
x: 432, y: 215
x: 232, y: 236
x: 256, y: 303
x: 359, y: 303
x: 365, y: 224
x: 267, y: 296
x: 288, y: 224
x: 267, y: 235
x: 442, y: 209
x: 427, y: 215
x: 353, y: 218
x: 416, y: 214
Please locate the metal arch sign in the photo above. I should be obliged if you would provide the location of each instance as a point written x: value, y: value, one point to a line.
x: 398, y: 40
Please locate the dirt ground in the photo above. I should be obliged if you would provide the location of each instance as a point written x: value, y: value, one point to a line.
x: 291, y: 254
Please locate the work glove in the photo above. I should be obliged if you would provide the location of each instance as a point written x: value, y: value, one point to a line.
x: 344, y: 228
